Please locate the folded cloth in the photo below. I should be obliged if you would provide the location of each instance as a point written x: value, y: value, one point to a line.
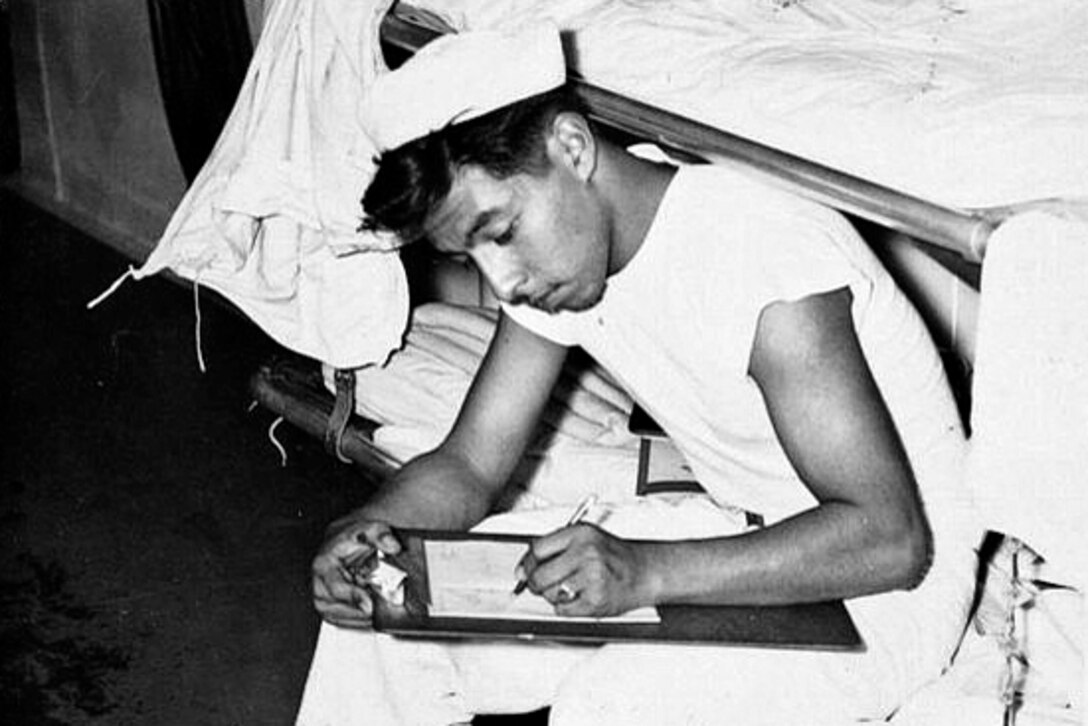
x: 1028, y: 461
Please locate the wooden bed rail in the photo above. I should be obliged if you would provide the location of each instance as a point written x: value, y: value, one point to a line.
x: 963, y: 232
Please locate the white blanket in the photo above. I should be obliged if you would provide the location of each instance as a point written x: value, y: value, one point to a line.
x: 1028, y: 462
x: 967, y: 103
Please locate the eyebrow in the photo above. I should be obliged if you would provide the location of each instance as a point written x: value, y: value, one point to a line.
x: 482, y: 220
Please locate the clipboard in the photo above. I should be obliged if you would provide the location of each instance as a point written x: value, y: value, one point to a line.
x: 813, y: 626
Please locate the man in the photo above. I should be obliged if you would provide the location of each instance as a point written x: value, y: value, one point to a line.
x: 754, y: 326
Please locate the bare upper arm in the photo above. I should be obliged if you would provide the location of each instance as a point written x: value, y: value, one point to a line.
x: 827, y: 410
x: 505, y: 401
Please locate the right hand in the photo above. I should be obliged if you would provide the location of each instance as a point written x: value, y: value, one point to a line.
x: 339, y: 589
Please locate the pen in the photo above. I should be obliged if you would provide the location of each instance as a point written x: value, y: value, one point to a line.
x: 577, y: 516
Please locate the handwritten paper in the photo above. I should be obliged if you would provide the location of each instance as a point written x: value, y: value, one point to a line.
x: 475, y: 579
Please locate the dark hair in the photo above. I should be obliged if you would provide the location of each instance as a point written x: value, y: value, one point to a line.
x: 413, y: 179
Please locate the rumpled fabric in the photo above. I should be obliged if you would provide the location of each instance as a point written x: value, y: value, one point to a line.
x: 1050, y: 635
x: 1028, y: 459
x: 966, y: 103
x: 272, y: 220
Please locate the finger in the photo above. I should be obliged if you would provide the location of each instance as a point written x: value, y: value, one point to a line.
x: 333, y: 582
x: 348, y: 545
x: 543, y: 565
x: 331, y: 585
x: 566, y: 592
x: 525, y: 566
x: 380, y: 535
x: 344, y: 612
x: 343, y: 605
x: 574, y: 609
x: 329, y: 568
x: 360, y: 608
x: 354, y: 551
x: 319, y: 590
x: 574, y: 601
x: 357, y: 568
x: 563, y: 589
x: 352, y: 554
x: 549, y: 574
x: 588, y: 600
x: 347, y: 593
x: 550, y: 545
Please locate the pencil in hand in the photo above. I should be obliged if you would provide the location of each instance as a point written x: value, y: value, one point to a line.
x: 577, y: 516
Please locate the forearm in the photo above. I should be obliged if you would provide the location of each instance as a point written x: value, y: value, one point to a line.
x: 435, y: 491
x: 455, y: 486
x: 832, y: 551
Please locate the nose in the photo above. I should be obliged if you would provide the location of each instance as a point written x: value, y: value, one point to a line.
x: 503, y: 272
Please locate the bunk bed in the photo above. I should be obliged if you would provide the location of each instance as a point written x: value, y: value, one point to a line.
x: 938, y: 125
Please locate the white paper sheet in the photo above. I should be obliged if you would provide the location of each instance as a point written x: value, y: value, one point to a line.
x: 475, y: 579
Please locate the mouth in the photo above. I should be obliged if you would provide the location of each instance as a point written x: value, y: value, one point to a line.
x: 547, y: 301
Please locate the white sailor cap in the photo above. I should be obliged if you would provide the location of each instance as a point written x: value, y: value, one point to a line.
x: 458, y: 77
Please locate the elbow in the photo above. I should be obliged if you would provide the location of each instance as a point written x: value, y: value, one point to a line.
x: 899, y: 549
x: 910, y: 554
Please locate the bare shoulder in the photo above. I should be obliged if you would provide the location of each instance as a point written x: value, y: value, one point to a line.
x: 805, y: 334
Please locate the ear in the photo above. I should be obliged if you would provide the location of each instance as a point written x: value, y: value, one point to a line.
x: 571, y: 143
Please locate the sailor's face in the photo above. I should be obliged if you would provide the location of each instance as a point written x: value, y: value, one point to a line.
x: 538, y: 240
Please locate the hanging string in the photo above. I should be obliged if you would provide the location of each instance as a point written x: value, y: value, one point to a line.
x: 199, y: 343
x: 129, y: 273
x: 276, y: 443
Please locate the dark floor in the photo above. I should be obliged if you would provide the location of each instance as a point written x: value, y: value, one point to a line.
x: 155, y: 552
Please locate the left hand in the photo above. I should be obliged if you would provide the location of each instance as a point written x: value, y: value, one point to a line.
x: 585, y: 571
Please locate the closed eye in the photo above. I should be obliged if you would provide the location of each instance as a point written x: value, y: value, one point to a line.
x: 507, y: 235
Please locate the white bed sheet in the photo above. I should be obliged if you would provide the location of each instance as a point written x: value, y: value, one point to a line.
x: 966, y: 103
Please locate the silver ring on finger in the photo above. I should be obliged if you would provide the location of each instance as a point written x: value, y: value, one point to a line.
x: 566, y: 593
